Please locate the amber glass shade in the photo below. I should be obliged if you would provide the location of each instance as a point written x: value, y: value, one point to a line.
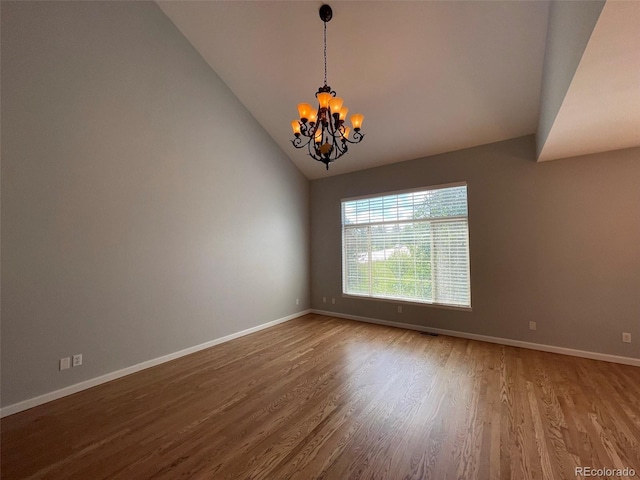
x: 343, y: 113
x: 318, y: 135
x: 345, y: 134
x: 304, y: 109
x: 295, y: 125
x: 323, y: 99
x: 356, y: 120
x: 335, y: 104
x: 313, y: 116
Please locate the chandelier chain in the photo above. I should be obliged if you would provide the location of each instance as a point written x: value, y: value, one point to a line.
x: 325, y: 53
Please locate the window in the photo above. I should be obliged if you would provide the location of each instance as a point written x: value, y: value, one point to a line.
x: 412, y: 245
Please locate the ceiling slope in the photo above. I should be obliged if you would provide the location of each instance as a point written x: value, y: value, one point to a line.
x: 430, y: 77
x: 601, y: 109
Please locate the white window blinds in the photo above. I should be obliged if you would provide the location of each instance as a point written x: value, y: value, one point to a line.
x: 411, y: 246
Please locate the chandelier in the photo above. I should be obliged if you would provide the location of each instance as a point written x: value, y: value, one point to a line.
x: 321, y: 130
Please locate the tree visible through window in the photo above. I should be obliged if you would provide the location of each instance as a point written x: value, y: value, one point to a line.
x: 411, y: 245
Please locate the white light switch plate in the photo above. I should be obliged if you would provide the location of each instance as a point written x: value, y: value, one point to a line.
x: 65, y: 363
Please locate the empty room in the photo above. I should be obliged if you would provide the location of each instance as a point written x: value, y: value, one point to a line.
x: 296, y: 240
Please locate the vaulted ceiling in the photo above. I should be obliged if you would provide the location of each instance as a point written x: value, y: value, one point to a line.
x: 430, y: 77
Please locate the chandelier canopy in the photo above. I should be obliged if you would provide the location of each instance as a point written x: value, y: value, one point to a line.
x: 321, y: 130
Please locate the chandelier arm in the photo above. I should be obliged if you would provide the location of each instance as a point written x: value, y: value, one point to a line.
x: 344, y: 147
x: 337, y: 133
x: 336, y: 137
x: 311, y: 148
x: 308, y: 130
x: 338, y: 146
x: 331, y: 127
x: 357, y: 137
x: 337, y: 152
x: 298, y: 142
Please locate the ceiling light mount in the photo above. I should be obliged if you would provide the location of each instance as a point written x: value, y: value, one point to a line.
x: 322, y: 130
x: 326, y: 14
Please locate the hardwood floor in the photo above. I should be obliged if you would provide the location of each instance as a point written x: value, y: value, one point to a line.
x: 321, y: 397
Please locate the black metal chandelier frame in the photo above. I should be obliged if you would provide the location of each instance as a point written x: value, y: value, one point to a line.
x: 326, y: 139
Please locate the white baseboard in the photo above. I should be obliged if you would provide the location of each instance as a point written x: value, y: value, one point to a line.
x: 485, y: 338
x: 78, y: 387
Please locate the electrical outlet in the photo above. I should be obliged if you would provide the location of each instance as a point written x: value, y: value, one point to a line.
x: 297, y: 301
x: 533, y: 326
x: 324, y: 299
x: 626, y: 337
x: 333, y: 300
x: 399, y: 309
x: 77, y: 360
x: 65, y: 363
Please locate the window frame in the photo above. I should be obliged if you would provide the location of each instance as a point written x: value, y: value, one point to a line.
x: 406, y: 301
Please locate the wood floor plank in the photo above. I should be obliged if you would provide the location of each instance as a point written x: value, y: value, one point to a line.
x: 325, y: 398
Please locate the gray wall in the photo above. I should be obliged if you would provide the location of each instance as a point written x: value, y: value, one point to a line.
x: 568, y: 32
x: 556, y: 242
x: 144, y: 210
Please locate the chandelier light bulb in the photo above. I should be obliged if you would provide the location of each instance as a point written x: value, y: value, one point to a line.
x: 304, y: 109
x: 323, y: 99
x: 335, y: 104
x: 356, y: 121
